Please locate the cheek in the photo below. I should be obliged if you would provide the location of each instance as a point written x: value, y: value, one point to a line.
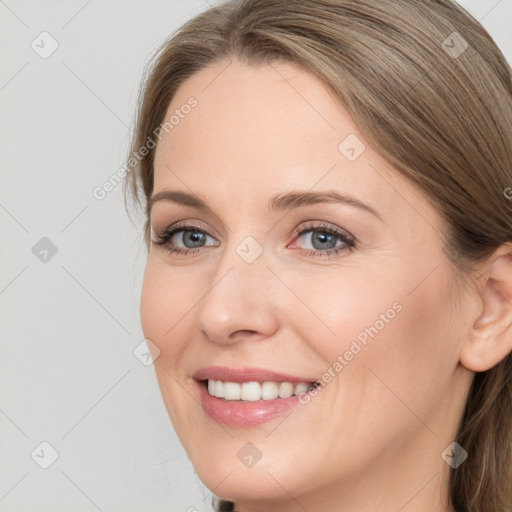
x: 387, y: 311
x: 392, y: 338
x: 418, y: 343
x: 165, y: 302
x: 357, y: 308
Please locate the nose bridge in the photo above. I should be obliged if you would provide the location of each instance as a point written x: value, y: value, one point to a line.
x: 237, y: 297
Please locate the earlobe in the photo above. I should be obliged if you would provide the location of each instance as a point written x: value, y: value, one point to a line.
x: 490, y: 337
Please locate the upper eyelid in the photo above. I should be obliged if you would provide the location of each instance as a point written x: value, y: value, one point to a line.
x: 176, y: 226
x: 202, y: 227
x: 322, y: 225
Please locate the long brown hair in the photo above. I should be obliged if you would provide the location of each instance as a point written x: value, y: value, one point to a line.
x: 432, y: 93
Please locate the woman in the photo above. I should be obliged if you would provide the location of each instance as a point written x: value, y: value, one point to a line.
x: 328, y: 287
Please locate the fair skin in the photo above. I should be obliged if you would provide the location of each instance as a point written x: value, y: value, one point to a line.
x: 372, y: 438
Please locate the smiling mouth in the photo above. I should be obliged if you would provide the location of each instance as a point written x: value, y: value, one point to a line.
x: 253, y: 391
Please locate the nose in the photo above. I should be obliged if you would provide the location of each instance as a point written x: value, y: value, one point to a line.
x: 239, y: 301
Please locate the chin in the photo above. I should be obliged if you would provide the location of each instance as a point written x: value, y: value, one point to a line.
x: 242, y: 484
x: 225, y: 475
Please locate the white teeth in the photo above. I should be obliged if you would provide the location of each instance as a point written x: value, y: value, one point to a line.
x: 285, y: 389
x: 253, y: 391
x: 269, y: 391
x: 231, y: 390
x: 300, y: 388
x: 218, y: 390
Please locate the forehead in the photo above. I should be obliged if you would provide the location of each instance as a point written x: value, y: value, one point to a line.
x: 258, y: 130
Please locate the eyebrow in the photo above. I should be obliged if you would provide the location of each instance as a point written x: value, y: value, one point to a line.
x: 279, y: 202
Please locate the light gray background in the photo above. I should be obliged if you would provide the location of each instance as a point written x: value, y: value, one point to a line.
x: 69, y: 325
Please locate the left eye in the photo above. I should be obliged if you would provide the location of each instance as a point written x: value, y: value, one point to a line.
x: 325, y: 240
x: 320, y: 240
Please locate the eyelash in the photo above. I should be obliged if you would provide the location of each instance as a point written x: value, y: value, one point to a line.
x: 163, y: 238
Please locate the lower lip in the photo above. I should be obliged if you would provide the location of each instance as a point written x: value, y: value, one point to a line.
x: 241, y: 413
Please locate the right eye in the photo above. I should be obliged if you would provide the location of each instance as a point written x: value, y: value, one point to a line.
x: 192, y: 238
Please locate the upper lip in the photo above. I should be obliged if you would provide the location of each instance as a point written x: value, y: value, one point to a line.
x: 240, y: 375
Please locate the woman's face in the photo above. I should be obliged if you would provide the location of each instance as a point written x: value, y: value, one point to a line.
x: 356, y: 294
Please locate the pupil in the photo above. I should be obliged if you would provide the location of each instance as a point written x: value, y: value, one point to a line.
x: 196, y: 239
x: 324, y: 238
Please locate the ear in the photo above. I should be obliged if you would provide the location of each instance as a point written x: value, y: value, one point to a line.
x: 490, y: 337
